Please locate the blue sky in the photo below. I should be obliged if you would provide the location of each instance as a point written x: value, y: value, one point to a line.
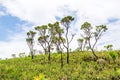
x: 19, y: 16
x: 8, y: 26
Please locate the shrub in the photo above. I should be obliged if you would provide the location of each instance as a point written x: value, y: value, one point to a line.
x: 116, y: 75
x: 113, y: 55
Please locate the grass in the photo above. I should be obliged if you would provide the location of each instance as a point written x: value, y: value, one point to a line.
x: 82, y: 67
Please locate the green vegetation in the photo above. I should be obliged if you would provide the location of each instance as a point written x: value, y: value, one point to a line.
x: 91, y: 37
x: 82, y: 67
x: 54, y: 36
x: 85, y: 63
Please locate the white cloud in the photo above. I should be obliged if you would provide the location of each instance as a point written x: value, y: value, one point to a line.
x: 2, y: 13
x: 44, y: 11
x: 16, y: 45
x: 112, y: 35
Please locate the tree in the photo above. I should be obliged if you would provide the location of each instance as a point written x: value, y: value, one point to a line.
x: 90, y: 35
x: 80, y: 43
x: 66, y: 21
x: 22, y: 54
x: 46, y: 34
x: 42, y: 36
x: 30, y: 42
x: 108, y: 47
x: 51, y: 32
x: 13, y: 55
x: 58, y: 39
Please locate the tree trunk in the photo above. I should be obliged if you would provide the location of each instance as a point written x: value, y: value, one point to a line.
x: 61, y: 60
x: 96, y: 57
x: 32, y: 56
x: 49, y: 53
x: 45, y: 51
x: 67, y: 55
x: 92, y: 49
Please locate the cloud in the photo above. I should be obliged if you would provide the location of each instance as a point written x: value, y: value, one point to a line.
x: 111, y: 36
x: 2, y: 13
x: 16, y: 45
x: 44, y: 11
x: 38, y: 12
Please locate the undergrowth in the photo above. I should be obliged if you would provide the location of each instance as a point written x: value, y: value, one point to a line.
x: 82, y: 67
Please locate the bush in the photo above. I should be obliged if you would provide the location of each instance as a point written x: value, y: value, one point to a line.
x: 113, y: 55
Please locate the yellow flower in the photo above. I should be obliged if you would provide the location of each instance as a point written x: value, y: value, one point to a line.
x: 40, y: 77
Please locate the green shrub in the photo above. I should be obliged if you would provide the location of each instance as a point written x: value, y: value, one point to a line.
x: 116, y: 75
x: 113, y: 55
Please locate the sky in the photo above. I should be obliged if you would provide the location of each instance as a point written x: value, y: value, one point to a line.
x: 17, y: 17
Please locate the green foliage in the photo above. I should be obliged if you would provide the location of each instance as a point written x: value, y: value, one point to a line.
x: 86, y: 26
x: 82, y: 67
x: 67, y: 20
x: 113, y: 54
x: 108, y: 47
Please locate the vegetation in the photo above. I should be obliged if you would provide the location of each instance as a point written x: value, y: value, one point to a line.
x: 80, y: 64
x: 66, y: 21
x: 52, y: 35
x: 81, y: 67
x: 30, y: 42
x: 108, y: 47
x: 91, y: 37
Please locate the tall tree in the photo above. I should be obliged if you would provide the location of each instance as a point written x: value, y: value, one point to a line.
x: 46, y: 34
x: 51, y: 35
x: 30, y: 42
x: 66, y: 21
x: 58, y: 39
x: 42, y: 36
x: 90, y: 35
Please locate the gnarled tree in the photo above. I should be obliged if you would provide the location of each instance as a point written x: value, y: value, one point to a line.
x: 90, y: 35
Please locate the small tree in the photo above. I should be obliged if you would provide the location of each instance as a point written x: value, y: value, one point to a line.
x: 90, y: 35
x: 66, y: 21
x: 109, y: 47
x: 13, y: 55
x: 80, y: 43
x: 30, y: 42
x: 22, y: 54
